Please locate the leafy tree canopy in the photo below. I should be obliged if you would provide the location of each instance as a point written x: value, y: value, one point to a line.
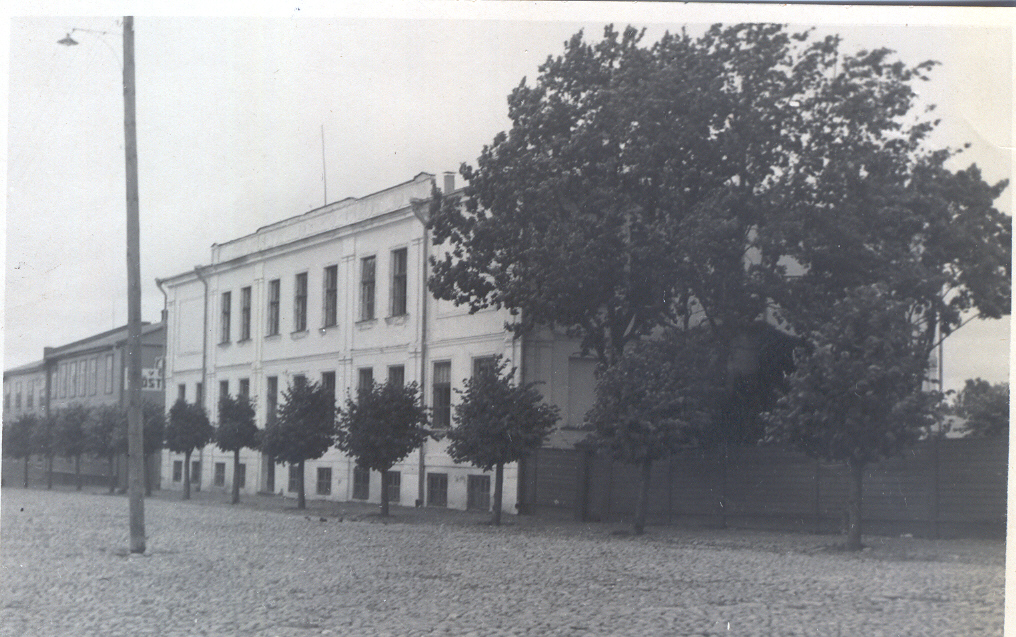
x: 985, y: 408
x: 305, y: 424
x: 675, y: 183
x: 498, y: 421
x: 236, y: 429
x: 382, y: 425
x: 106, y: 431
x: 154, y: 419
x: 17, y: 436
x: 188, y: 427
x: 69, y: 433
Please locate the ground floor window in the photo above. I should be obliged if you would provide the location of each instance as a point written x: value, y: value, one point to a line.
x: 195, y: 474
x: 220, y: 474
x: 394, y: 486
x: 324, y: 481
x: 361, y: 483
x: 437, y: 489
x: 294, y: 473
x: 177, y: 470
x: 241, y: 476
x: 478, y: 493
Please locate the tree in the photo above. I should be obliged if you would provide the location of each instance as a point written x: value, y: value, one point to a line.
x: 44, y: 443
x: 656, y: 399
x: 236, y: 431
x: 106, y: 436
x: 985, y: 408
x: 154, y: 418
x: 17, y: 439
x: 188, y: 429
x: 498, y: 422
x: 69, y: 435
x: 856, y: 395
x: 303, y: 430
x: 383, y: 425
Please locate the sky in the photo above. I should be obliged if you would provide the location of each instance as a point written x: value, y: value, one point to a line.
x: 246, y: 120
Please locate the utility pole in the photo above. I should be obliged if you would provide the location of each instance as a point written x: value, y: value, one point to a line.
x: 135, y: 428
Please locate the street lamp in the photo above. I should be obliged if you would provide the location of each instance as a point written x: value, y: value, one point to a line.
x: 135, y: 432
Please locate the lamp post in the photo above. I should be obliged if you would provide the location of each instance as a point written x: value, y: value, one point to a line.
x: 135, y: 430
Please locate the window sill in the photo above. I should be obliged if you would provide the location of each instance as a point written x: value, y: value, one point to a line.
x: 298, y: 335
x: 397, y: 319
x: 272, y: 337
x: 225, y: 343
x: 243, y: 341
x: 366, y: 324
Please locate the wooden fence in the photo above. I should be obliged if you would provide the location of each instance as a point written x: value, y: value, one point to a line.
x: 943, y: 488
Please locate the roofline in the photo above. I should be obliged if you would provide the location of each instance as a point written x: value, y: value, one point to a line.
x: 49, y: 351
x: 37, y: 366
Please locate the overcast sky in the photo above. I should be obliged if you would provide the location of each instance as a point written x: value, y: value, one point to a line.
x: 230, y: 113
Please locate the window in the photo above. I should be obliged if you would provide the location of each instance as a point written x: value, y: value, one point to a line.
x: 442, y: 404
x: 367, y: 268
x: 79, y: 378
x: 245, y: 313
x: 482, y: 363
x: 437, y: 489
x: 244, y: 391
x: 398, y: 282
x: 365, y: 378
x: 181, y: 391
x: 300, y: 303
x: 361, y: 483
x: 7, y: 400
x: 272, y: 398
x: 220, y: 474
x: 478, y: 493
x: 93, y: 376
x: 328, y: 382
x: 17, y: 395
x: 196, y: 472
x: 75, y: 375
x: 273, y: 307
x: 65, y: 379
x: 177, y: 470
x: 397, y: 375
x: 223, y: 390
x: 241, y: 476
x: 331, y: 296
x: 294, y: 477
x: 324, y: 481
x: 394, y: 486
x: 227, y: 309
x: 109, y: 373
x: 30, y: 395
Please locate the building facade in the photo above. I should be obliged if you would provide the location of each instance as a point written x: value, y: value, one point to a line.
x: 25, y: 391
x: 338, y: 295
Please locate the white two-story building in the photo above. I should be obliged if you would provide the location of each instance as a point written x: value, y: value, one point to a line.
x: 338, y: 295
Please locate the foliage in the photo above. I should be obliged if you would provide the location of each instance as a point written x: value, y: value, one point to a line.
x: 106, y: 431
x: 658, y: 397
x: 17, y: 436
x: 497, y: 421
x: 69, y: 434
x: 985, y: 408
x: 305, y: 424
x: 188, y: 427
x: 236, y: 429
x: 44, y: 436
x: 383, y: 425
x: 154, y: 419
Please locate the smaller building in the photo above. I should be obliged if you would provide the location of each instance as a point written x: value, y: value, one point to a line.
x: 25, y: 391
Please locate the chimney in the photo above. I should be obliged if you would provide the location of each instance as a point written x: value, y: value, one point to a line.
x: 449, y: 182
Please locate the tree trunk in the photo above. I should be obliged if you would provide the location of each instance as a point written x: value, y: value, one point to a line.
x: 77, y: 471
x: 498, y: 493
x: 301, y: 500
x: 112, y: 474
x: 236, y: 473
x: 26, y: 470
x: 49, y: 472
x: 854, y: 506
x: 384, y: 493
x: 643, y: 502
x: 186, y: 476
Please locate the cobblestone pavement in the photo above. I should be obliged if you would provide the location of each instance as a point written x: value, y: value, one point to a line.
x: 221, y: 570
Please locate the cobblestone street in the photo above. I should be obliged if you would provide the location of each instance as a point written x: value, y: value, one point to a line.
x: 221, y: 570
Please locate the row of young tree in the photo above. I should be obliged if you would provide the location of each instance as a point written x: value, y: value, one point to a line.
x: 497, y: 421
x: 77, y: 431
x: 666, y: 204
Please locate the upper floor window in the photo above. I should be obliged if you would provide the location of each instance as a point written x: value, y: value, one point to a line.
x: 399, y: 282
x: 397, y: 375
x: 331, y: 293
x: 30, y: 395
x: 109, y: 373
x: 245, y: 313
x: 226, y: 319
x: 273, y: 307
x: 367, y: 273
x: 300, y: 303
x: 272, y: 399
x: 17, y: 395
x: 93, y: 376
